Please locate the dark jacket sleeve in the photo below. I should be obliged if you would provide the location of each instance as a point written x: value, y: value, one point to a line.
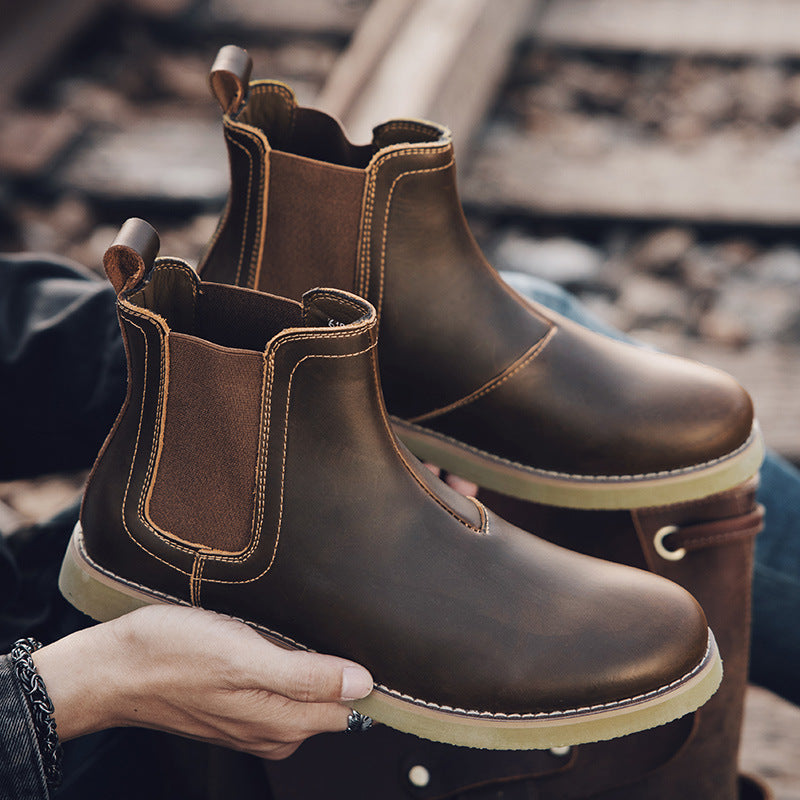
x: 62, y: 365
x: 21, y: 769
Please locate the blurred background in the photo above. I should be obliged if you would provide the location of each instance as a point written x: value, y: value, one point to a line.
x: 644, y: 154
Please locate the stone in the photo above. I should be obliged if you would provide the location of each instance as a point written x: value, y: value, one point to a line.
x: 779, y: 266
x: 768, y: 313
x: 703, y: 269
x: 660, y: 252
x: 652, y: 301
x: 723, y: 328
x: 561, y: 260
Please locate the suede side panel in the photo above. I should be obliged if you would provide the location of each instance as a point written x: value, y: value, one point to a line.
x: 205, y: 479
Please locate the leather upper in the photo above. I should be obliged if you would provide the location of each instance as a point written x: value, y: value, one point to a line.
x: 461, y: 354
x: 347, y: 544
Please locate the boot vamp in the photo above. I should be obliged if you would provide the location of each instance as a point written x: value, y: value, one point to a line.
x: 585, y: 404
x: 490, y: 620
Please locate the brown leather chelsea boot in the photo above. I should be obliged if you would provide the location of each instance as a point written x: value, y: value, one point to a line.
x: 477, y: 379
x: 252, y: 471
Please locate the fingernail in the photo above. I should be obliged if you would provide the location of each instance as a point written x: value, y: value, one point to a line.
x: 356, y: 683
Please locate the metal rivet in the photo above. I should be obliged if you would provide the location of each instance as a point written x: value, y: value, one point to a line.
x: 419, y: 776
x: 561, y: 751
x: 661, y: 548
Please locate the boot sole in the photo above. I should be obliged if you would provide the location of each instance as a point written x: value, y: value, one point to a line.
x: 583, y: 491
x: 104, y: 596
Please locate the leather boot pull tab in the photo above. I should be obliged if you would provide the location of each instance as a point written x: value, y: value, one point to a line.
x: 230, y: 76
x: 131, y: 254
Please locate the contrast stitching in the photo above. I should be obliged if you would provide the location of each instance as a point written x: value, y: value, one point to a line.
x: 246, y: 205
x: 495, y: 382
x: 482, y: 510
x: 369, y: 206
x: 410, y: 698
x: 283, y: 473
x: 263, y: 447
x: 169, y: 265
x: 409, y: 125
x: 256, y: 253
x: 409, y: 469
x: 332, y: 295
x: 379, y: 304
x: 554, y: 714
x: 156, y: 448
x: 599, y: 478
x: 136, y: 449
x: 127, y: 582
x: 194, y: 585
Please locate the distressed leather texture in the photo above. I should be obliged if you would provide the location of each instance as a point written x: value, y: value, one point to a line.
x: 694, y: 758
x: 352, y: 547
x: 462, y: 355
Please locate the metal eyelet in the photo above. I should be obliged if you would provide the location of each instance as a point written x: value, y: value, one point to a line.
x: 661, y: 548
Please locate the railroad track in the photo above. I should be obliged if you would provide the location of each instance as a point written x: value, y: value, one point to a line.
x: 643, y: 153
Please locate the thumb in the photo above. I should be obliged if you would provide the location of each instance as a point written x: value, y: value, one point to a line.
x: 315, y: 678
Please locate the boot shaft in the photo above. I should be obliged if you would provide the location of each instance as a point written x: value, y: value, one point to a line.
x: 478, y: 380
x: 382, y: 220
x: 213, y: 384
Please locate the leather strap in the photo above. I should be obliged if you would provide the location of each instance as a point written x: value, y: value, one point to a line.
x: 711, y: 534
x: 131, y: 254
x: 230, y: 76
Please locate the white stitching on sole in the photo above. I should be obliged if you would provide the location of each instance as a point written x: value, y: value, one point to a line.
x: 571, y: 712
x: 401, y: 423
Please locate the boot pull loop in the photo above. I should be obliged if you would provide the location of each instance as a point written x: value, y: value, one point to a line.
x: 131, y: 254
x: 230, y: 77
x: 673, y: 542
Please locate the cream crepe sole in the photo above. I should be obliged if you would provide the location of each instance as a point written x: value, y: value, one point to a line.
x: 579, y: 491
x: 103, y: 597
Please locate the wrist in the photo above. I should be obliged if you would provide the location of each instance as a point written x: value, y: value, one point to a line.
x: 81, y: 678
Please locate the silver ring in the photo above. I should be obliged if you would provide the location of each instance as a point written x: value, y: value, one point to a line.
x: 358, y: 723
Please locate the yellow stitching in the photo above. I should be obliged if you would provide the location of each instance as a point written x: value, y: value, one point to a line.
x: 246, y: 206
x: 484, y: 514
x: 270, y: 356
x: 146, y: 486
x: 135, y: 451
x: 379, y: 304
x: 283, y: 472
x: 369, y: 205
x: 509, y: 372
x: 338, y: 298
x: 414, y: 126
x: 173, y: 265
x: 411, y: 471
x: 194, y: 583
x: 155, y: 450
x: 117, y: 421
x: 257, y: 254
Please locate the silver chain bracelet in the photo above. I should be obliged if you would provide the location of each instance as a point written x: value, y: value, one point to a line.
x: 41, y: 708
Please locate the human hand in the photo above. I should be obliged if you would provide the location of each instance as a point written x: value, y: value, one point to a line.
x: 197, y: 674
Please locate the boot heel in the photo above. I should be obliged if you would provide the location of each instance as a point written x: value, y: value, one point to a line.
x: 89, y: 590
